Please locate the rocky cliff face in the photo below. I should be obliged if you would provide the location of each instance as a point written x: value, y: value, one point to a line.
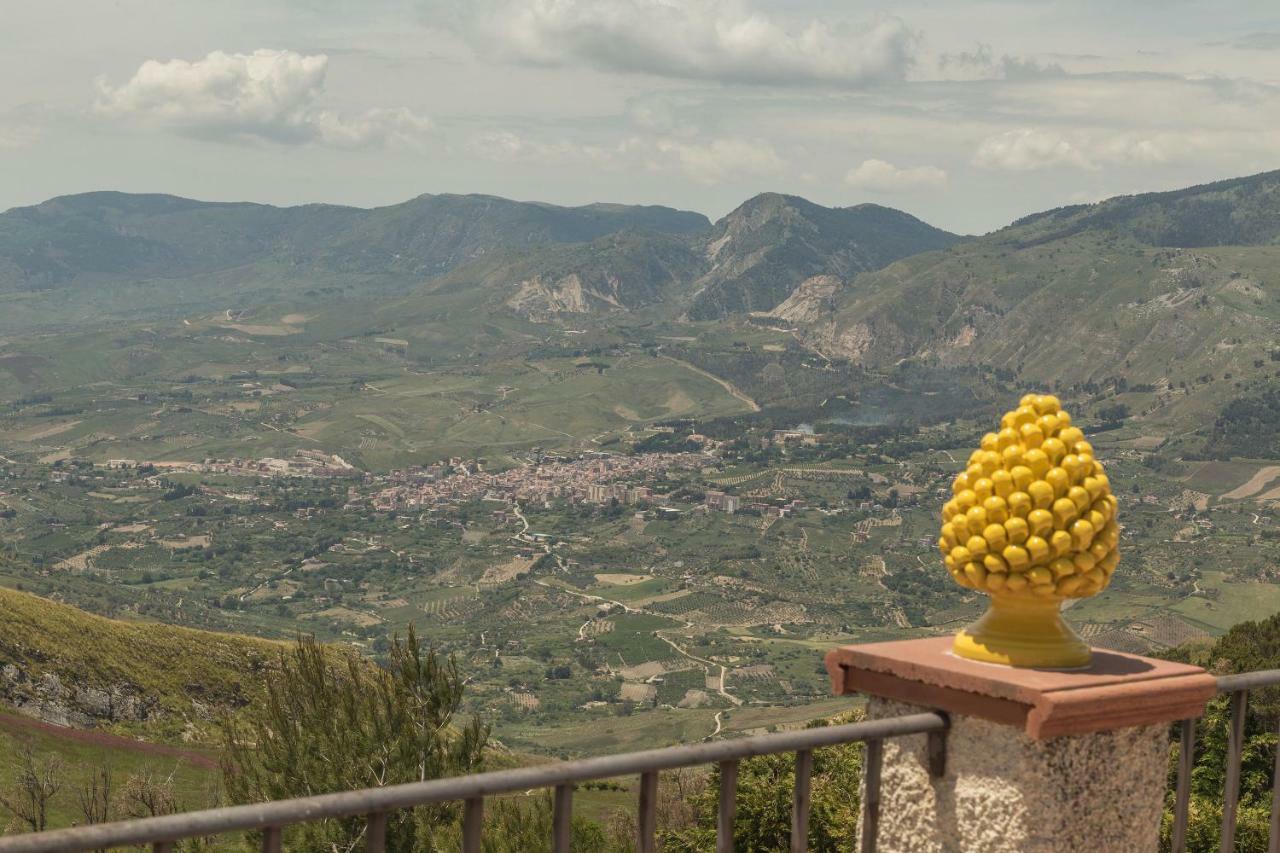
x: 46, y: 697
x: 540, y: 299
x: 812, y: 302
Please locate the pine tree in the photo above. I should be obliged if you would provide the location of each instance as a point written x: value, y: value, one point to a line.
x: 333, y: 722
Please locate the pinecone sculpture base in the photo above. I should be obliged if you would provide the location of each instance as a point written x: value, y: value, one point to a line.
x: 1024, y: 632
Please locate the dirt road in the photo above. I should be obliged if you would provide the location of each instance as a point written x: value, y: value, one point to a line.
x: 17, y: 724
x: 723, y: 383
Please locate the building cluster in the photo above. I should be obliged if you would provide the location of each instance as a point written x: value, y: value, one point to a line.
x: 796, y: 436
x: 721, y: 502
x: 591, y: 478
x: 716, y: 501
x: 602, y: 493
x: 304, y: 463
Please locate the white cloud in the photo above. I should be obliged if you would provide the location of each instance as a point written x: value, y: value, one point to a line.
x: 271, y: 95
x: 718, y: 40
x: 501, y: 145
x: 714, y: 161
x: 1029, y: 149
x: 882, y: 177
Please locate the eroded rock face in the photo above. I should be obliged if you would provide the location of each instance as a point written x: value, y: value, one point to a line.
x: 812, y: 302
x: 47, y: 697
x: 539, y: 298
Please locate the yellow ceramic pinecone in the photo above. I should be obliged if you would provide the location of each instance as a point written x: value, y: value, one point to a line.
x: 1033, y: 514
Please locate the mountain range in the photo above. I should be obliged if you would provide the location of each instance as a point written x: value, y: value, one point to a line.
x: 1165, y: 288
x: 1173, y: 292
x: 120, y: 253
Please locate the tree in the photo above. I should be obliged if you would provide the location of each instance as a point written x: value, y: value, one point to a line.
x: 333, y: 722
x: 149, y: 793
x: 1113, y: 413
x: 37, y: 782
x: 93, y: 795
x: 1247, y: 646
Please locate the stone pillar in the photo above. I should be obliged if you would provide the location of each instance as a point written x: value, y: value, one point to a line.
x: 1037, y: 761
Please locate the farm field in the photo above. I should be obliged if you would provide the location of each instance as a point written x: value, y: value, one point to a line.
x: 271, y: 395
x: 583, y: 624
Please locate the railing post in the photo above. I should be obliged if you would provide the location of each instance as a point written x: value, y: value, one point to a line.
x: 728, y: 810
x: 1182, y: 802
x: 873, y: 757
x: 936, y: 747
x: 271, y: 839
x: 1231, y: 790
x: 801, y: 802
x: 472, y: 824
x: 562, y: 822
x: 1273, y: 838
x: 647, y: 822
x: 375, y: 833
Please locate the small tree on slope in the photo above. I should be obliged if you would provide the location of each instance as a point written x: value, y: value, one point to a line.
x: 332, y: 722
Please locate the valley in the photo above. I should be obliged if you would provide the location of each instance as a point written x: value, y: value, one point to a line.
x: 637, y: 474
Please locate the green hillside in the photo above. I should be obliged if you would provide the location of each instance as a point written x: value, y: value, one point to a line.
x: 80, y: 260
x: 1086, y: 297
x: 616, y: 273
x: 76, y: 259
x: 1235, y: 212
x: 72, y: 667
x: 750, y: 261
x: 760, y: 253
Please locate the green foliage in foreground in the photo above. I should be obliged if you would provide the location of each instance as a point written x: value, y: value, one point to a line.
x: 328, y: 728
x: 765, y: 786
x: 1246, y: 647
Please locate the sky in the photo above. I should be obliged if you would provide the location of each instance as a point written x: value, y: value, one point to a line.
x: 966, y: 114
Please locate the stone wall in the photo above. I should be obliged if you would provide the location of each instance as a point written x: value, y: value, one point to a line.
x: 1004, y: 792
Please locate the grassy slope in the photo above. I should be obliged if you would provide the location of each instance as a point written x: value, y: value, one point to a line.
x: 195, y: 773
x: 466, y: 385
x: 171, y: 665
x: 1086, y: 307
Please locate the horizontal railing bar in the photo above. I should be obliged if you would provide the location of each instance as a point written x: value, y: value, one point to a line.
x: 1248, y: 680
x: 257, y: 816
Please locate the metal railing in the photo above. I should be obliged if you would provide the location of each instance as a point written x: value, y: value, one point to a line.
x: 271, y: 818
x: 1237, y: 687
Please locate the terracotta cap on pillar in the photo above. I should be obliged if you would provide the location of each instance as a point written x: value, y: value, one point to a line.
x: 1115, y: 691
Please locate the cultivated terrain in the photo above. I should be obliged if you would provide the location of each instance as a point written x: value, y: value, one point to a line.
x: 636, y: 470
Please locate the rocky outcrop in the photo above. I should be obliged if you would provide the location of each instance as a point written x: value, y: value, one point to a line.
x: 46, y: 697
x: 812, y: 302
x: 539, y: 298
